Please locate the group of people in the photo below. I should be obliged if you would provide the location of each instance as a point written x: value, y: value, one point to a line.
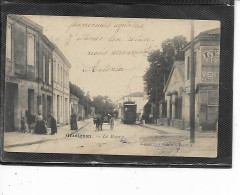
x: 38, y: 123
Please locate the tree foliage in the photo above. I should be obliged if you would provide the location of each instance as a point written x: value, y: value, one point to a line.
x: 160, y: 64
x: 84, y: 99
x: 102, y: 104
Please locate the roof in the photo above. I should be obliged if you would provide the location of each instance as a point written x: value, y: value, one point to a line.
x: 47, y: 41
x: 24, y: 20
x: 58, y: 51
x: 208, y: 34
x: 73, y: 97
x: 212, y: 32
x: 179, y: 66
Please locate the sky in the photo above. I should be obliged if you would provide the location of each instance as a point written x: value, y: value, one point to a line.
x: 109, y: 55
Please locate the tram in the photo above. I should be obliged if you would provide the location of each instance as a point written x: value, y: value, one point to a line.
x: 129, y: 112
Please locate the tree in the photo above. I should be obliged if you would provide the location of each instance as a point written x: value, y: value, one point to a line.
x: 103, y: 104
x: 85, y: 100
x: 179, y: 43
x: 154, y: 76
x: 160, y: 64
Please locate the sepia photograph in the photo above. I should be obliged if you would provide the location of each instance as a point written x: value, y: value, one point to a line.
x: 112, y: 86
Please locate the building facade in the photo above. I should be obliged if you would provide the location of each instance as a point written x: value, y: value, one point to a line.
x: 45, y: 97
x: 74, y: 105
x: 29, y: 71
x: 206, y: 68
x: 171, y: 109
x: 22, y: 70
x: 61, y: 90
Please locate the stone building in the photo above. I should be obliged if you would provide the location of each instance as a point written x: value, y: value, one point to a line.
x: 171, y: 108
x: 45, y: 76
x: 23, y: 70
x: 74, y: 106
x: 61, y: 91
x: 29, y: 71
x: 81, y: 112
x: 175, y: 110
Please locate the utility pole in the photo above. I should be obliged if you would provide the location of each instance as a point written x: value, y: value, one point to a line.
x: 156, y: 97
x: 83, y: 117
x: 87, y: 104
x: 192, y: 88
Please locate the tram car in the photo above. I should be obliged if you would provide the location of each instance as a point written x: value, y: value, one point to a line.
x: 129, y: 112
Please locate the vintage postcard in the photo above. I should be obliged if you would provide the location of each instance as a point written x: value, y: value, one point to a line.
x: 112, y: 86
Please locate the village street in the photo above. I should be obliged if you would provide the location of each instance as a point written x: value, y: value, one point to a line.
x: 122, y: 140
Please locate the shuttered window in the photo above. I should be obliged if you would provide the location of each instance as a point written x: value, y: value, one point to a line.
x: 30, y: 50
x: 9, y: 42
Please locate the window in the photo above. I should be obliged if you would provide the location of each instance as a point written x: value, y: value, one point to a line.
x: 54, y: 70
x: 30, y: 50
x: 65, y: 81
x: 61, y: 76
x: 68, y: 81
x: 50, y: 71
x: 195, y: 63
x: 9, y: 42
x: 44, y: 64
x: 188, y: 67
x: 65, y: 78
x: 58, y: 74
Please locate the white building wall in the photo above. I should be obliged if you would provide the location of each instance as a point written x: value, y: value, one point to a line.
x: 61, y: 88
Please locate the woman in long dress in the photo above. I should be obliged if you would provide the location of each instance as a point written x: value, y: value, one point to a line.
x: 40, y: 127
x: 53, y: 124
x: 73, y: 122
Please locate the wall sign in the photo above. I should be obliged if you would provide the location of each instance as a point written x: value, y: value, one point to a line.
x: 210, y: 56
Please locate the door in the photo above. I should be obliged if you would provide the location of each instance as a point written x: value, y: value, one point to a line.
x: 49, y: 108
x: 58, y: 110
x: 31, y: 101
x: 66, y: 111
x: 49, y: 105
x: 10, y: 106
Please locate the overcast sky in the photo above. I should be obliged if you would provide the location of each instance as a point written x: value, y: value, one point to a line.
x: 80, y: 37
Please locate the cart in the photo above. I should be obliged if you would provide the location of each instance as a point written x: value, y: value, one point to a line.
x: 108, y: 120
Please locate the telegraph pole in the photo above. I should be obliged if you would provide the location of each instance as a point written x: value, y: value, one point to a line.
x: 156, y: 97
x: 87, y: 104
x: 192, y: 88
x: 83, y: 117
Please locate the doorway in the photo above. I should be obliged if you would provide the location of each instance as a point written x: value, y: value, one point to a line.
x: 58, y: 110
x: 66, y: 111
x: 11, y: 106
x: 31, y: 101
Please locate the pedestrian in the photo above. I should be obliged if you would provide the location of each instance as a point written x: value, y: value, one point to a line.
x: 31, y: 119
x: 53, y: 124
x: 40, y: 127
x: 143, y: 119
x: 23, y: 124
x: 73, y: 121
x: 99, y: 122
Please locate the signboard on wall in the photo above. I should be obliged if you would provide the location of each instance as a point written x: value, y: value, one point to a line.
x: 210, y: 57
